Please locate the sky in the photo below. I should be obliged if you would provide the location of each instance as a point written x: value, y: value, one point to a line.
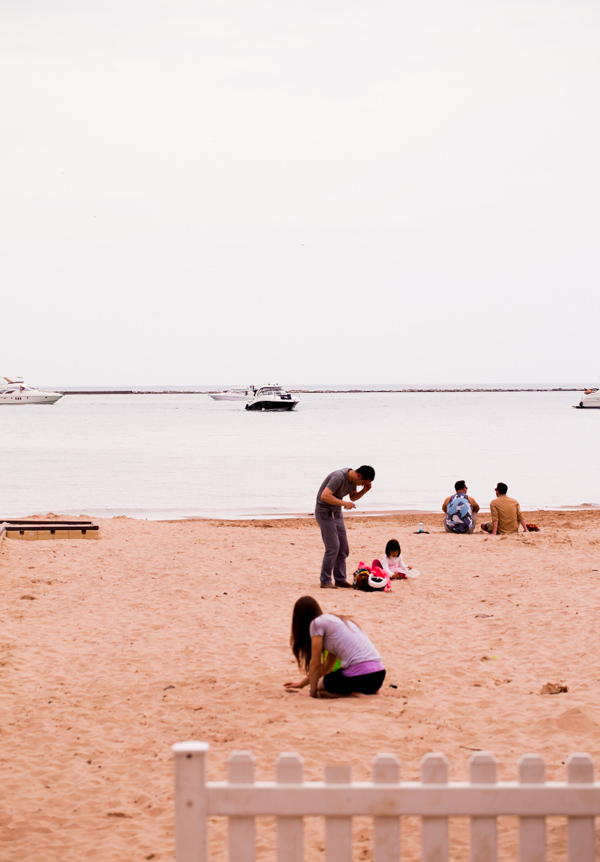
x: 292, y: 190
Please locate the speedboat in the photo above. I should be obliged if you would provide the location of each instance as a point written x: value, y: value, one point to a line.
x: 272, y: 397
x: 15, y: 391
x: 233, y: 395
x: 590, y: 398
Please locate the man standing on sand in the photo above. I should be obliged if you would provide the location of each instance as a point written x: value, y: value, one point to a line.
x: 328, y: 512
x: 506, y: 514
x: 461, y: 510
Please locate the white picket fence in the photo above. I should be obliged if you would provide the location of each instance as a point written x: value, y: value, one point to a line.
x: 386, y: 799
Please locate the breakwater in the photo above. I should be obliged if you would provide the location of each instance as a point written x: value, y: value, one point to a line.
x: 308, y: 391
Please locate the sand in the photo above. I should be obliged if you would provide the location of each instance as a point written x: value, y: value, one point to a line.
x: 112, y: 650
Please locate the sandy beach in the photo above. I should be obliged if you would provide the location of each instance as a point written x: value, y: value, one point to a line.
x: 112, y: 650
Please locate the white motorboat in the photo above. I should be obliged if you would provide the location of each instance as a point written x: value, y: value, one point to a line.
x: 590, y: 398
x: 233, y: 395
x: 272, y: 397
x: 15, y: 391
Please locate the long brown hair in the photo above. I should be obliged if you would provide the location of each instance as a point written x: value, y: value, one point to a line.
x: 306, y: 610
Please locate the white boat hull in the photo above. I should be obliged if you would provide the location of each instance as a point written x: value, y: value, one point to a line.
x: 225, y: 396
x: 589, y: 400
x: 31, y: 398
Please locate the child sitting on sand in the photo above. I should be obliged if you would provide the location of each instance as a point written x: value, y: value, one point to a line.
x: 394, y: 565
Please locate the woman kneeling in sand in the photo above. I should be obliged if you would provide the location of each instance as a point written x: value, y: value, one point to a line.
x: 361, y: 670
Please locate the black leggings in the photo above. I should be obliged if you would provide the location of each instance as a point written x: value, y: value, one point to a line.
x: 366, y: 683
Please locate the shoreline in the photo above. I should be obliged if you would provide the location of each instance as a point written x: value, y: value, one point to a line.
x: 292, y: 517
x: 357, y: 516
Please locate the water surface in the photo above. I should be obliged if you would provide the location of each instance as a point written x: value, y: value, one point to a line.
x: 159, y: 456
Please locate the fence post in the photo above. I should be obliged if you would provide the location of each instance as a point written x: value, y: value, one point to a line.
x: 191, y: 801
x: 338, y: 830
x: 289, y: 829
x: 434, y: 830
x: 580, y: 770
x: 386, y: 830
x: 484, y: 844
x: 241, y: 829
x: 532, y: 830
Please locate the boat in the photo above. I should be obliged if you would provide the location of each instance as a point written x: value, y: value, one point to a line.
x: 590, y: 398
x: 271, y: 396
x: 233, y: 395
x: 15, y: 391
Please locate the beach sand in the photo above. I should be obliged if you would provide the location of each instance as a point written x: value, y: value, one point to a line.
x: 112, y: 650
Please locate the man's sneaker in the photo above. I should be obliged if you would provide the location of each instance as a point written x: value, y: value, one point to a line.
x: 328, y: 586
x: 344, y: 585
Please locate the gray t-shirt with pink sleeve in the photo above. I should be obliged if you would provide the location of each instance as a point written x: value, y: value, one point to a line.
x: 344, y: 639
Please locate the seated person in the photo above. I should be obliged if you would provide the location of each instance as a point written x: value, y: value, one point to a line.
x: 506, y: 514
x: 361, y: 670
x: 392, y: 563
x: 461, y: 510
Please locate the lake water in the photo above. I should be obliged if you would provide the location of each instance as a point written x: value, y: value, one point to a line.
x: 175, y: 456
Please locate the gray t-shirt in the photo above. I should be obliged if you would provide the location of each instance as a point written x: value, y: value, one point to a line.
x: 344, y: 639
x: 339, y: 484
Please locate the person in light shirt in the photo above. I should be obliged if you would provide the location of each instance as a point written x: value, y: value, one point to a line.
x: 392, y: 562
x: 506, y: 514
x: 361, y: 671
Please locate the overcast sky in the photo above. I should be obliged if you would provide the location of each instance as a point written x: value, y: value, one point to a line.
x: 319, y: 192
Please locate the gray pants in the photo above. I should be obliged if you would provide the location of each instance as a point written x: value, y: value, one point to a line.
x: 333, y: 531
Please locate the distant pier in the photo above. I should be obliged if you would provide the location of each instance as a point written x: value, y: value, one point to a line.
x: 301, y: 391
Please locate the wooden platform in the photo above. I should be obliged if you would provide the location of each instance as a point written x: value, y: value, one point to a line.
x: 36, y: 530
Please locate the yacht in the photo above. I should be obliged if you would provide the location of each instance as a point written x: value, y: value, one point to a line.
x: 233, y: 395
x: 15, y: 391
x: 590, y: 398
x: 271, y: 396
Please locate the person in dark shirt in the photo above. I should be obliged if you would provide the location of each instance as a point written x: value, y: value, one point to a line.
x: 328, y: 513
